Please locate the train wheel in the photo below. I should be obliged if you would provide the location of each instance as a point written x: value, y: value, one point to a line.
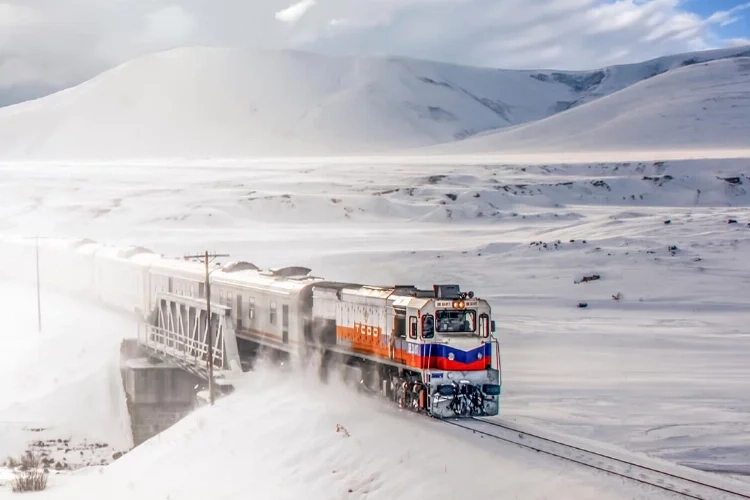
x: 371, y: 377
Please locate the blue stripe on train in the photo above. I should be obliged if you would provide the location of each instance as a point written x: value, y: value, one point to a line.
x: 460, y: 356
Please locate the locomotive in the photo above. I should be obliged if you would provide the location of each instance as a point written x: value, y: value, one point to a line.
x: 432, y: 351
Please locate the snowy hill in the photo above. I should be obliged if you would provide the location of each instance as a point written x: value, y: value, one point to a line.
x: 201, y: 102
x: 706, y: 105
x: 20, y: 93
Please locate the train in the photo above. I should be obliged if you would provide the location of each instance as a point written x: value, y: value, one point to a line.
x: 430, y: 350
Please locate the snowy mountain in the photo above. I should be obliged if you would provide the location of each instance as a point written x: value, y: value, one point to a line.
x: 706, y: 105
x: 202, y: 102
x: 20, y: 93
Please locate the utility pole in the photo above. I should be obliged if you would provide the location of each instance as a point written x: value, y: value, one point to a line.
x: 209, y: 330
x: 38, y: 291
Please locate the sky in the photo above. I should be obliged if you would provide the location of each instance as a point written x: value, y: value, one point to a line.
x: 48, y: 44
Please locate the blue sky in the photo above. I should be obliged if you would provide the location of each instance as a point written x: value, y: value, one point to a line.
x: 54, y: 43
x: 737, y: 29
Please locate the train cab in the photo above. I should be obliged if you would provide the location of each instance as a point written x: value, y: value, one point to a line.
x: 462, y: 368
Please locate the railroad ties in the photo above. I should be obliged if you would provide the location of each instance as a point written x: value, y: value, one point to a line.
x: 697, y: 487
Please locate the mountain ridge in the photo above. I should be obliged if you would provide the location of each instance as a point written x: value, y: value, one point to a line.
x: 705, y: 105
x: 209, y: 102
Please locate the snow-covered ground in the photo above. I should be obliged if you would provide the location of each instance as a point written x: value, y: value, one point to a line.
x: 60, y: 389
x: 662, y: 371
x: 277, y: 438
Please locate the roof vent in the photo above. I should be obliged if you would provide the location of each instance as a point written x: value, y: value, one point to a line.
x: 129, y: 252
x: 447, y: 291
x: 292, y: 271
x: 233, y: 267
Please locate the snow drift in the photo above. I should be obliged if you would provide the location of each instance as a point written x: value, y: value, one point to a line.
x: 701, y: 106
x: 201, y: 102
x: 61, y: 385
x: 286, y: 436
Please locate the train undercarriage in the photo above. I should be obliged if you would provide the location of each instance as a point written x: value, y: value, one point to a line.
x: 462, y: 397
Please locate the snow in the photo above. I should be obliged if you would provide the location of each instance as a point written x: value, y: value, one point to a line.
x: 698, y: 106
x: 662, y: 371
x: 644, y: 199
x: 201, y: 102
x: 277, y: 438
x: 62, y: 383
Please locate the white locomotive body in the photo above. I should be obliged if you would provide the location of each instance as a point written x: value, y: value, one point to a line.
x: 433, y: 350
x: 430, y: 350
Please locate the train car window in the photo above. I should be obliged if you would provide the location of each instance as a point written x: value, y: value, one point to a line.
x: 201, y: 290
x: 399, y: 328
x: 192, y: 290
x: 272, y: 317
x: 399, y: 322
x: 413, y: 327
x: 428, y: 326
x: 251, y: 309
x: 484, y: 325
x: 285, y: 316
x: 229, y: 300
x: 221, y: 297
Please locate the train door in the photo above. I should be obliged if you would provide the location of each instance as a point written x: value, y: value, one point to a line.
x: 399, y: 334
x: 412, y: 338
x: 239, y: 317
x: 285, y: 324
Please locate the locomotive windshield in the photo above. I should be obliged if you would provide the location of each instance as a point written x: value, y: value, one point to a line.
x: 456, y: 321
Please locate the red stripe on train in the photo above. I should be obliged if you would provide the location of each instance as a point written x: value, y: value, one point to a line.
x: 426, y: 363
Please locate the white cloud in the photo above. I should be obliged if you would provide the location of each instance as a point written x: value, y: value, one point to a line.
x: 57, y: 42
x: 738, y: 42
x: 727, y: 17
x: 293, y: 13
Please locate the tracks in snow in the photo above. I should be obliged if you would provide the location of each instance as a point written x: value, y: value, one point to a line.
x: 674, y: 483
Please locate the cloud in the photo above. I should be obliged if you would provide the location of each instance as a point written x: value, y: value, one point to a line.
x: 293, y: 13
x: 727, y: 17
x: 738, y: 42
x: 59, y: 42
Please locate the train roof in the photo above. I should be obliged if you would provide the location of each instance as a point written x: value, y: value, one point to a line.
x: 397, y: 295
x: 125, y: 253
x: 241, y: 273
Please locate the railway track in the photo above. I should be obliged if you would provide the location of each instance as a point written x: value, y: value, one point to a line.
x: 647, y: 475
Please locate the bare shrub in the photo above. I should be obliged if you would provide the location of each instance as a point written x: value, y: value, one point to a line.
x: 29, y: 461
x: 30, y: 474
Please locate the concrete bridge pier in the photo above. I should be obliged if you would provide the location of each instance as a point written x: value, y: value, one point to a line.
x: 159, y: 394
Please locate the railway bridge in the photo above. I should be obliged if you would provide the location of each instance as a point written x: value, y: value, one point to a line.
x: 167, y: 368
